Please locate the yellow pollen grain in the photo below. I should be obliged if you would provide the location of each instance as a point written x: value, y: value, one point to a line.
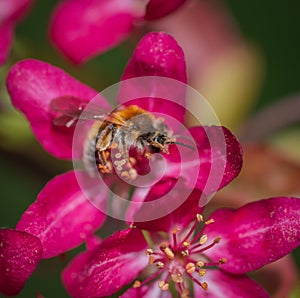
x: 160, y: 265
x: 217, y: 240
x: 164, y: 286
x: 151, y: 260
x: 190, y: 268
x: 149, y: 252
x: 203, y: 239
x: 200, y: 263
x: 199, y: 217
x: 186, y: 243
x: 136, y: 284
x: 177, y: 278
x: 222, y: 260
x: 204, y: 286
x: 202, y: 272
x: 209, y: 221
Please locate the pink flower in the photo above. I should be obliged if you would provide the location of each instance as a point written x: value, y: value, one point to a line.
x: 62, y: 217
x: 214, y: 259
x: 82, y: 29
x: 33, y: 86
x: 11, y: 11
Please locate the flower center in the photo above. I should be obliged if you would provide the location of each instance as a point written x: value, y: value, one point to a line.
x: 182, y: 258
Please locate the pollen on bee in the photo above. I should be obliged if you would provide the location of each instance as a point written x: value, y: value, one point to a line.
x: 118, y: 155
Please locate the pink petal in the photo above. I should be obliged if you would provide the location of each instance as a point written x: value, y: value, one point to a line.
x: 256, y: 234
x: 82, y: 29
x: 61, y: 217
x: 110, y: 266
x: 32, y: 85
x: 157, y: 55
x: 13, y: 10
x: 159, y: 8
x: 19, y: 255
x: 218, y: 161
x: 6, y: 33
x: 221, y: 284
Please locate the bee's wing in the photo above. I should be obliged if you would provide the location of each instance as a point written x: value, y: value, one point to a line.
x: 71, y: 109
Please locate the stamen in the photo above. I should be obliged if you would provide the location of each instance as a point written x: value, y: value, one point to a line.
x: 200, y: 263
x: 202, y: 272
x: 136, y: 284
x: 222, y: 261
x: 167, y: 251
x: 177, y: 277
x: 186, y: 244
x: 160, y: 265
x: 216, y: 240
x: 209, y: 221
x: 149, y: 252
x: 151, y: 260
x: 190, y: 268
x: 164, y: 286
x: 203, y: 239
x: 174, y: 232
x: 199, y: 217
x: 185, y: 253
x: 204, y: 286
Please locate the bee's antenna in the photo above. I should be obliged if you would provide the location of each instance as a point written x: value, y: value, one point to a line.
x: 181, y: 144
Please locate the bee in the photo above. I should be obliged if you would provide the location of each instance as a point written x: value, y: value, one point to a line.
x: 119, y: 131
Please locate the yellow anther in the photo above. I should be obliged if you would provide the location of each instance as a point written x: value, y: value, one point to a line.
x: 160, y: 265
x: 164, y: 286
x: 190, y: 268
x: 149, y: 252
x: 203, y: 239
x: 199, y: 217
x: 169, y: 253
x: 204, y: 286
x: 200, y: 263
x: 136, y: 284
x: 175, y: 230
x: 222, y: 260
x: 185, y: 253
x: 202, y: 272
x: 217, y: 240
x: 209, y: 221
x: 186, y: 244
x: 177, y: 278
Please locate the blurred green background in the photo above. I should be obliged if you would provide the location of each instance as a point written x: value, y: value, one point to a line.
x: 272, y: 26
